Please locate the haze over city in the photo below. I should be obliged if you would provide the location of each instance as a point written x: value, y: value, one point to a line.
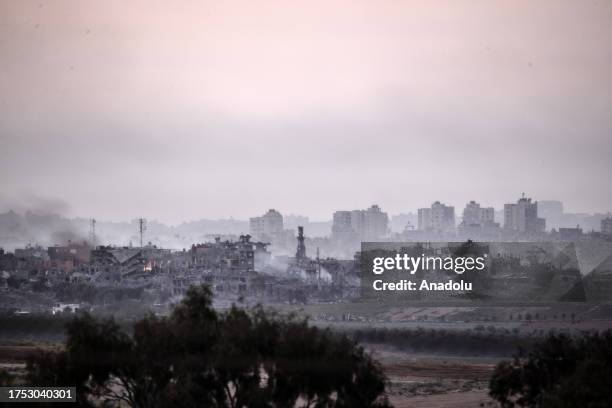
x: 211, y: 109
x: 325, y: 203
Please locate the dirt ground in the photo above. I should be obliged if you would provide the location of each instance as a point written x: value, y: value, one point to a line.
x: 448, y: 400
x: 436, y: 381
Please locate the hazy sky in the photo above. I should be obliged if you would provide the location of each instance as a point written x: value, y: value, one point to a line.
x: 181, y: 110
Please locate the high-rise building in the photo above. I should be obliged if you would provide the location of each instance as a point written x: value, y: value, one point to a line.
x: 475, y: 215
x: 369, y: 224
x: 438, y: 218
x: 606, y: 226
x: 478, y: 223
x: 523, y: 216
x: 424, y: 215
x: 342, y: 227
x: 267, y: 226
x: 375, y: 223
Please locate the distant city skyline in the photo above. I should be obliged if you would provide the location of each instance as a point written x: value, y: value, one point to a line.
x: 203, y: 109
x: 56, y: 207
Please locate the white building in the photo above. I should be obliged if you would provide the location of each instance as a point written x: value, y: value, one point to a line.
x: 523, y: 216
x: 267, y: 226
x: 438, y: 218
x: 370, y: 224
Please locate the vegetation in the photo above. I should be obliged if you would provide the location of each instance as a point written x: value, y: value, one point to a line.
x: 561, y: 371
x: 5, y: 378
x: 199, y: 357
x: 480, y: 341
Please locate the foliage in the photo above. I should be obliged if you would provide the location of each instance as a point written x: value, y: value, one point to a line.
x: 200, y: 357
x: 561, y: 371
x: 5, y: 378
x: 475, y: 342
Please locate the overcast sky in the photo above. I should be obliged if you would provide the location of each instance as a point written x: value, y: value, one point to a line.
x: 182, y: 110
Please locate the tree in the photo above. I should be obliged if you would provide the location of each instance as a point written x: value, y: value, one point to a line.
x: 5, y: 378
x: 561, y: 371
x: 200, y: 357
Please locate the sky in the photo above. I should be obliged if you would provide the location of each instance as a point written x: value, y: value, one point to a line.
x: 215, y: 109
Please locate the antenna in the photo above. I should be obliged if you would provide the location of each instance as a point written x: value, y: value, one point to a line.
x: 92, y: 232
x: 142, y: 227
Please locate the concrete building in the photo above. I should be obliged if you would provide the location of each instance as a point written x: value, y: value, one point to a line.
x: 374, y: 223
x: 606, y: 226
x: 478, y: 223
x: 228, y: 256
x: 370, y: 224
x: 68, y: 257
x: 523, y: 216
x: 341, y: 225
x: 438, y: 218
x: 424, y: 223
x: 114, y: 264
x: 268, y: 226
x: 475, y: 215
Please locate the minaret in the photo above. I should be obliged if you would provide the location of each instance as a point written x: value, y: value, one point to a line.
x: 300, y: 254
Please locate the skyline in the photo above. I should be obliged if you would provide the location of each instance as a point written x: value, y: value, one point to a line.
x: 62, y: 209
x: 218, y: 110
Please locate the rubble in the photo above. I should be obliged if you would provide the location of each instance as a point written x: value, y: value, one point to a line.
x: 241, y: 269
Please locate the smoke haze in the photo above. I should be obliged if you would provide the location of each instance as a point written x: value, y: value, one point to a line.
x: 225, y: 109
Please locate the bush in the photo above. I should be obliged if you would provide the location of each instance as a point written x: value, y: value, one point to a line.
x: 481, y: 341
x: 5, y: 378
x: 561, y: 371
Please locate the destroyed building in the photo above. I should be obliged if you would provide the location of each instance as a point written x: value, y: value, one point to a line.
x: 113, y: 264
x: 229, y: 256
x: 67, y: 257
x: 226, y: 266
x: 308, y: 278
